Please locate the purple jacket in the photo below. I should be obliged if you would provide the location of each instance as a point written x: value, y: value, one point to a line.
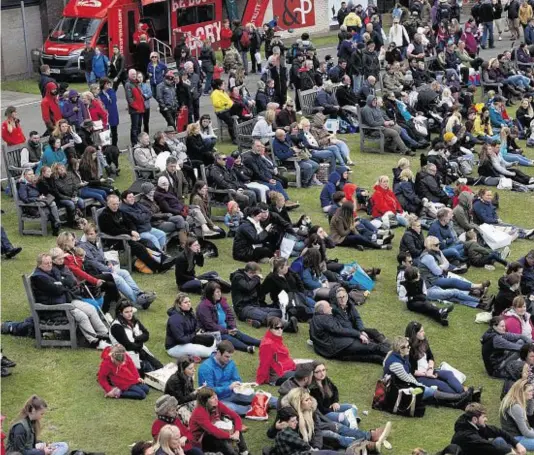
x: 168, y: 202
x: 208, y: 319
x: 67, y: 110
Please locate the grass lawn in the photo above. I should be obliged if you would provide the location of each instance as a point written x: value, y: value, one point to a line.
x: 79, y: 413
x: 31, y: 86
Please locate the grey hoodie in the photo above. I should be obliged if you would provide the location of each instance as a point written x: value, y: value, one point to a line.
x: 462, y: 218
x: 372, y: 115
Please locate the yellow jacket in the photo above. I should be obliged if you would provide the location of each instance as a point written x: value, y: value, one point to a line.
x: 352, y: 20
x: 525, y: 14
x: 479, y: 130
x: 221, y: 100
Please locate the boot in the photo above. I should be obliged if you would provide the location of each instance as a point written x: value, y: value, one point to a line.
x: 454, y: 400
x: 292, y: 326
x: 182, y: 238
x: 378, y: 436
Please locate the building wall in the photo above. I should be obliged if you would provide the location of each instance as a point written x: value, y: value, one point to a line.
x: 320, y: 8
x: 13, y: 52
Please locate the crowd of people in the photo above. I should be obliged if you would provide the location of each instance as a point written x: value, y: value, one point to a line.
x: 427, y: 68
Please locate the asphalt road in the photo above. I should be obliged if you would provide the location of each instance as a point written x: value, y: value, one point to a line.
x: 28, y: 106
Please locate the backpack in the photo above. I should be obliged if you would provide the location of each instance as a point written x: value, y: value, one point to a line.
x: 244, y: 40
x: 444, y: 13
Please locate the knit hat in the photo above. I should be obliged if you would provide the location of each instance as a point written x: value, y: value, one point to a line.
x: 164, y: 404
x: 147, y: 187
x: 448, y: 137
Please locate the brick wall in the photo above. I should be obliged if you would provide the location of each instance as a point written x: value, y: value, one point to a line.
x: 13, y: 52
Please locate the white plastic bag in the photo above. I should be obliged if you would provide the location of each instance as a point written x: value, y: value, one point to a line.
x: 283, y: 302
x: 287, y: 245
x: 494, y: 238
x: 257, y: 56
x: 104, y: 138
x: 505, y: 183
x: 457, y: 373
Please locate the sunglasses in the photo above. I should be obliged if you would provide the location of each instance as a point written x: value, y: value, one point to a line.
x: 278, y: 328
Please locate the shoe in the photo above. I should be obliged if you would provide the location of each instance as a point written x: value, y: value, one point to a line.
x: 384, y: 232
x: 251, y: 349
x: 379, y: 435
x: 529, y: 233
x: 13, y: 252
x: 505, y: 252
x: 144, y: 300
x: 264, y: 260
x: 290, y: 205
x: 166, y: 265
x: 484, y: 306
x: 486, y: 284
x: 500, y: 38
x: 409, y: 152
x: 350, y: 163
x: 444, y: 315
x: 360, y: 248
x: 254, y: 323
x: 477, y: 394
x: 355, y: 447
x: 293, y: 325
x: 309, y: 342
x: 489, y: 267
x: 5, y: 372
x: 388, y: 238
x: 7, y: 363
x: 387, y: 247
x: 209, y: 233
x: 316, y: 182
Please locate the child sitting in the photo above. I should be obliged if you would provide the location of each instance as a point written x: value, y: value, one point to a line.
x: 480, y: 256
x: 289, y: 440
x: 233, y: 218
x: 411, y: 289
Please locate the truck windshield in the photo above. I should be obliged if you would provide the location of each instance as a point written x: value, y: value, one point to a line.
x: 74, y: 30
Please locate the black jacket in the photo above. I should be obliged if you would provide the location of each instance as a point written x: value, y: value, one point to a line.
x: 246, y: 236
x: 324, y: 402
x: 274, y: 284
x: 180, y: 388
x: 476, y: 441
x: 504, y: 298
x: 259, y: 167
x: 183, y: 271
x: 198, y: 150
x: 329, y: 336
x: 221, y: 178
x: 115, y: 223
x: 49, y: 287
x: 428, y: 186
x: 117, y: 68
x: 485, y: 13
x: 345, y: 96
x: 245, y: 290
x: 118, y: 332
x: 412, y: 242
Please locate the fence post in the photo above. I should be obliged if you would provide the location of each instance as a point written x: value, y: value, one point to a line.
x: 26, y: 50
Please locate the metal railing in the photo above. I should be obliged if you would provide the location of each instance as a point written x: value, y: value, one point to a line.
x: 164, y: 50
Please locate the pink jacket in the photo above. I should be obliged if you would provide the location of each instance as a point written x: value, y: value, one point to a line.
x: 516, y: 324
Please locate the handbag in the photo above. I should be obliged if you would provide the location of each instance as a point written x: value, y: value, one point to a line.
x: 457, y: 373
x: 257, y: 56
x: 354, y: 274
x: 104, y: 138
x: 409, y: 404
x: 505, y: 183
x: 382, y: 388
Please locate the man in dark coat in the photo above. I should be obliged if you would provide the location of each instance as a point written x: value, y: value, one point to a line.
x: 475, y: 437
x: 221, y: 178
x: 427, y: 185
x: 250, y: 242
x: 246, y: 284
x: 346, y: 96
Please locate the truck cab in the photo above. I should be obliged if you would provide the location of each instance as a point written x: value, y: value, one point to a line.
x: 105, y: 23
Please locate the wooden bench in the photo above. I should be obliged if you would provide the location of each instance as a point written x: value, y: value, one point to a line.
x: 40, y: 321
x: 307, y: 102
x: 11, y: 159
x: 371, y: 134
x: 141, y: 173
x: 243, y: 133
x: 289, y: 167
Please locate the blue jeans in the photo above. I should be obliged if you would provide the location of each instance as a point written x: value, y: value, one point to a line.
x: 501, y: 443
x: 207, y: 82
x: 407, y: 139
x: 126, y: 284
x: 95, y: 193
x: 346, y: 436
x: 135, y: 127
x: 448, y: 283
x: 455, y: 252
x: 337, y: 153
x: 308, y: 168
x: 515, y: 158
x: 344, y: 149
x: 260, y: 314
x: 446, y: 382
x: 519, y: 80
x: 428, y: 393
x: 277, y: 187
x: 210, y: 141
x: 357, y: 83
x: 454, y: 295
x: 339, y: 416
x: 6, y: 244
x: 487, y: 34
x: 527, y: 443
x: 326, y: 155
x: 157, y: 237
x: 89, y: 77
x: 241, y: 403
x: 135, y: 392
x: 71, y: 206
x: 245, y: 60
x: 241, y: 341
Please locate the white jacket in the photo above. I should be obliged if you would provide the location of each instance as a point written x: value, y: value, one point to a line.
x: 396, y: 34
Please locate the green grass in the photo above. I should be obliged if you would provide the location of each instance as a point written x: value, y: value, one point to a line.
x: 81, y: 415
x: 31, y: 86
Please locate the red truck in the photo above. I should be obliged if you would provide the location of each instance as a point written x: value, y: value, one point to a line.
x: 105, y: 23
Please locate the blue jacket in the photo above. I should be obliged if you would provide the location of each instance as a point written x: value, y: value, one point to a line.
x: 310, y: 281
x: 156, y: 73
x: 181, y: 328
x: 496, y: 118
x: 109, y: 99
x: 445, y: 234
x: 146, y: 90
x: 485, y: 212
x: 50, y: 157
x: 529, y: 35
x: 139, y: 214
x: 28, y: 193
x: 218, y: 377
x: 329, y: 189
x: 325, y: 99
x: 283, y: 150
x: 100, y: 65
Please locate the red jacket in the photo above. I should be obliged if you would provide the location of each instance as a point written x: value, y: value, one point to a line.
x: 111, y: 375
x: 202, y: 421
x: 226, y: 38
x: 75, y: 265
x: 184, y: 431
x: 384, y: 201
x: 513, y: 324
x: 138, y: 103
x: 98, y: 112
x: 50, y: 110
x: 459, y: 191
x: 274, y: 355
x: 16, y: 136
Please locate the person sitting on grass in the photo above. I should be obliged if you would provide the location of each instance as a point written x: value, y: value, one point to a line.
x: 166, y: 409
x: 128, y: 331
x: 118, y: 375
x: 215, y: 315
x: 411, y: 289
x: 518, y: 320
x: 181, y: 385
x: 513, y: 413
x: 220, y: 373
x: 473, y: 435
x: 204, y: 425
x: 23, y: 436
x: 480, y: 256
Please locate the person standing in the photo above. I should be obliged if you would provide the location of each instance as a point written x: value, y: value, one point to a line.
x: 525, y: 14
x: 12, y: 133
x: 142, y: 54
x: 50, y: 109
x: 486, y: 19
x: 226, y: 37
x: 117, y: 68
x: 100, y: 65
x: 108, y: 96
x: 497, y: 17
x: 513, y: 18
x: 166, y: 98
x: 155, y: 71
x: 207, y: 57
x: 255, y: 46
x: 146, y: 90
x: 136, y: 105
x: 87, y: 54
x: 241, y: 40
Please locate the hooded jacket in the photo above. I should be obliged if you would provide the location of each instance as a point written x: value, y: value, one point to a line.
x: 181, y: 328
x: 329, y: 189
x: 166, y: 96
x: 462, y: 213
x: 408, y: 198
x: 274, y: 358
x: 109, y: 101
x: 74, y: 112
x: 505, y: 296
x: 478, y: 440
x: 208, y: 318
x: 122, y: 376
x: 496, y: 349
x: 485, y: 212
x: 476, y: 253
x: 384, y: 201
x: 427, y: 186
x: 372, y: 115
x: 50, y: 109
x: 412, y: 242
x: 217, y: 376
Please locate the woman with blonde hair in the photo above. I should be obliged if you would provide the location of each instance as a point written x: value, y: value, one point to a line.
x: 25, y: 432
x: 403, y: 163
x: 507, y: 155
x: 265, y: 126
x: 95, y: 108
x: 67, y: 135
x: 168, y: 442
x: 384, y: 202
x: 514, y: 415
x: 199, y: 151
